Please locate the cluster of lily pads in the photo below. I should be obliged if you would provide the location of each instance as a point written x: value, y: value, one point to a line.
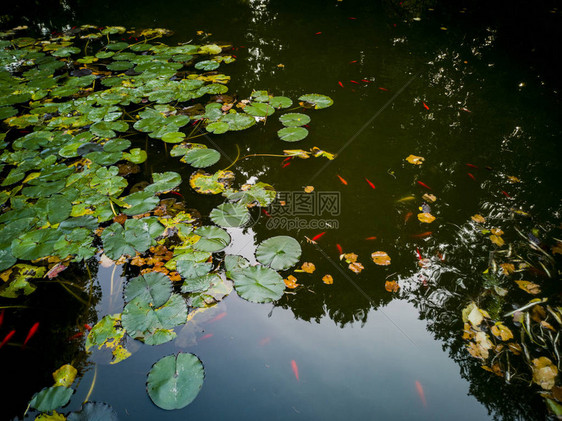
x: 75, y: 105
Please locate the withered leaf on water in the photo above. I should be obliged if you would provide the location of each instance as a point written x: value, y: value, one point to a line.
x: 356, y: 267
x: 327, y: 279
x: 529, y: 287
x: 544, y: 372
x: 291, y: 282
x: 391, y: 286
x: 380, y: 258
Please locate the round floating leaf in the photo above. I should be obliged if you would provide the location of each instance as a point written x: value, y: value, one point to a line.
x: 175, y: 381
x: 280, y: 253
x: 94, y: 411
x: 135, y: 155
x: 319, y: 101
x: 120, y: 65
x: 205, y: 183
x: 207, y: 65
x: 35, y: 244
x: 154, y: 288
x: 292, y: 134
x: 258, y: 284
x: 173, y: 137
x: 212, y: 239
x: 190, y: 269
x: 218, y: 127
x: 51, y: 398
x: 280, y: 102
x: 140, y: 202
x: 210, y: 49
x: 6, y: 259
x: 237, y: 121
x: 294, y: 119
x: 262, y: 194
x: 230, y: 215
x: 118, y: 241
x: 66, y: 51
x: 163, y: 182
x: 259, y: 109
x: 201, y: 158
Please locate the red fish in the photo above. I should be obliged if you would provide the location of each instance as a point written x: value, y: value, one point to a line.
x: 471, y: 165
x: 265, y: 341
x: 295, y: 368
x: 234, y: 56
x: 341, y: 84
x: 76, y: 336
x: 317, y: 33
x: 207, y: 336
x: 425, y: 105
x: 506, y: 194
x: 354, y: 61
x: 371, y: 238
x: 87, y: 327
x: 466, y: 110
x: 218, y: 317
x: 287, y: 159
x: 176, y: 193
x: 317, y: 236
x: 419, y: 254
x: 423, y: 234
x: 365, y: 80
x: 266, y: 213
x: 353, y: 81
x: 286, y: 164
x: 421, y: 183
x: 340, y: 250
x: 370, y: 183
x: 419, y: 388
x: 383, y: 89
x: 471, y: 176
x: 408, y: 216
x: 352, y: 18
x: 30, y: 334
x: 2, y: 316
x: 342, y: 180
x: 7, y: 338
x: 441, y: 257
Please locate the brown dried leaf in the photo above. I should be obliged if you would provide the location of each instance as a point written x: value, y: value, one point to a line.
x: 349, y: 257
x: 557, y: 249
x: 391, y: 286
x: 291, y: 282
x: 328, y: 280
x: 356, y: 267
x: 529, y: 287
x: 513, y: 179
x: 502, y: 332
x: 507, y: 268
x: 497, y: 240
x: 309, y: 189
x: 544, y: 372
x: 416, y: 160
x: 429, y: 197
x: 426, y: 217
x: 380, y: 258
x: 308, y: 267
x: 478, y: 218
x: 496, y: 231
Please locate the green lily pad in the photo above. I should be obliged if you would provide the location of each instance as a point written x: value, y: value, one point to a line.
x: 50, y: 398
x: 154, y: 288
x: 175, y: 381
x: 280, y: 253
x: 292, y: 134
x: 258, y: 284
x: 260, y: 96
x: 294, y: 119
x: 107, y: 182
x: 280, y: 102
x: 201, y: 158
x: 210, y: 49
x: 212, y: 239
x: 200, y: 284
x: 191, y: 269
x: 258, y: 109
x: 109, y: 333
x: 319, y: 101
x: 261, y: 194
x: 120, y: 65
x: 36, y: 244
x: 135, y: 155
x: 93, y: 411
x: 116, y: 145
x: 7, y: 260
x: 140, y: 202
x: 163, y: 182
x: 207, y: 65
x: 237, y: 121
x: 173, y: 137
x: 66, y: 51
x: 218, y: 127
x: 118, y: 241
x: 205, y: 183
x: 230, y: 215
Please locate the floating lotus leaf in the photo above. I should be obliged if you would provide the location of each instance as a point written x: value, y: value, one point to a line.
x: 140, y: 202
x: 230, y: 215
x: 210, y: 49
x: 6, y: 112
x: 154, y: 288
x: 36, y: 244
x: 201, y: 158
x: 107, y: 182
x: 258, y: 284
x: 115, y: 46
x: 6, y: 258
x: 200, y: 284
x: 163, y: 182
x: 212, y: 239
x: 292, y: 134
x: 105, y: 129
x: 237, y: 121
x: 216, y: 183
x: 280, y: 102
x: 280, y: 253
x: 233, y: 262
x: 261, y: 194
x: 191, y: 269
x: 120, y: 65
x: 218, y: 127
x: 118, y: 241
x: 141, y: 321
x: 319, y: 101
x: 260, y: 96
x: 207, y: 65
x: 18, y: 281
x: 50, y: 398
x: 66, y: 51
x: 65, y: 375
x: 294, y: 119
x: 135, y: 155
x: 173, y: 137
x: 116, y: 145
x: 259, y: 109
x: 109, y: 333
x: 93, y: 411
x: 213, y: 294
x: 175, y: 381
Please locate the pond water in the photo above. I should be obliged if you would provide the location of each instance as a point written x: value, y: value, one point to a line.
x: 447, y: 87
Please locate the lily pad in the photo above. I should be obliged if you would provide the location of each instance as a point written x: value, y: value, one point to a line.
x: 163, y: 182
x: 35, y: 244
x: 202, y: 158
x: 175, y: 381
x: 258, y: 284
x: 259, y: 109
x: 212, y: 239
x: 294, y: 119
x: 154, y: 288
x: 280, y: 102
x: 119, y: 241
x: 230, y: 215
x: 218, y: 127
x: 319, y: 101
x: 216, y: 183
x: 238, y: 121
x: 207, y: 65
x: 280, y: 253
x: 94, y: 411
x: 50, y: 398
x: 140, y: 202
x: 292, y: 134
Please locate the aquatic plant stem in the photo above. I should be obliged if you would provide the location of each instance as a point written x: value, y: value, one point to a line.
x: 92, y: 385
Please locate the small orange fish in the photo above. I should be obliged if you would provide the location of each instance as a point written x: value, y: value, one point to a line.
x: 30, y: 334
x: 419, y: 388
x: 383, y: 89
x: 471, y: 165
x: 340, y: 250
x: 419, y: 254
x: 2, y: 316
x: 425, y: 105
x: 266, y: 213
x: 471, y: 176
x: 218, y: 317
x: 317, y: 33
x: 286, y: 164
x: 7, y: 338
x: 352, y: 18
x: 318, y: 236
x: 354, y: 61
x: 353, y: 81
x: 287, y: 159
x: 207, y: 336
x: 365, y: 80
x: 370, y: 183
x: 371, y: 238
x: 87, y: 327
x: 506, y: 194
x: 421, y: 183
x: 342, y: 180
x: 423, y: 234
x: 76, y: 336
x: 466, y: 110
x: 265, y: 341
x: 341, y: 84
x: 295, y: 368
x: 408, y: 216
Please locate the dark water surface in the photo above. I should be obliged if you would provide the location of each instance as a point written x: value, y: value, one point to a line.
x: 360, y: 350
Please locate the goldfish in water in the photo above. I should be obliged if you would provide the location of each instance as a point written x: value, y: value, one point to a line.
x: 295, y: 368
